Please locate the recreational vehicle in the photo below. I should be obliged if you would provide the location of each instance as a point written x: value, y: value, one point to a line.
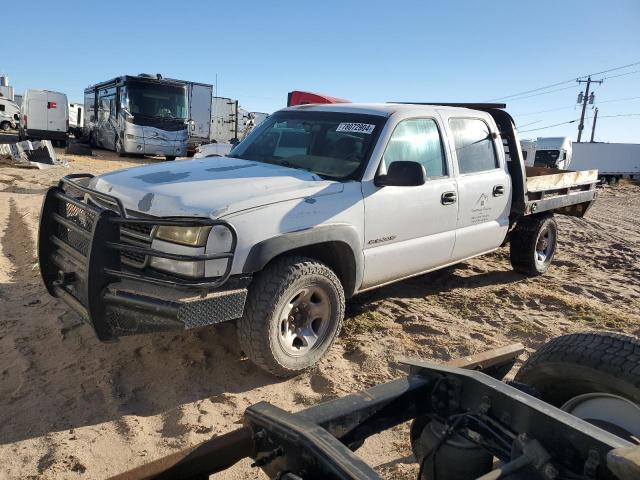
x: 141, y: 114
x: 44, y: 115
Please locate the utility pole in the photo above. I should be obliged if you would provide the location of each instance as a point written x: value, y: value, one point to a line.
x: 593, y: 128
x: 585, y: 99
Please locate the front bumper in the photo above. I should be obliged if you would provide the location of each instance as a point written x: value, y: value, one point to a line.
x: 156, y: 147
x: 80, y: 251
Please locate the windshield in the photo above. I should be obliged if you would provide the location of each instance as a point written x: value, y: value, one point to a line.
x: 160, y: 101
x: 330, y: 144
x: 546, y: 158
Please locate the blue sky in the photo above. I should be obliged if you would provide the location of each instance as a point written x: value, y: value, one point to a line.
x: 364, y: 51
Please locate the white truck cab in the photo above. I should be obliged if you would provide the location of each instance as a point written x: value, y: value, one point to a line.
x: 317, y: 204
x: 9, y: 115
x: 550, y: 152
x: 44, y: 115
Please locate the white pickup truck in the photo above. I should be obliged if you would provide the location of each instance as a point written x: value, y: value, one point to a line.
x: 317, y: 204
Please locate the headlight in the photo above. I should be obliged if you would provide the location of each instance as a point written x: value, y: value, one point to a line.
x: 190, y: 236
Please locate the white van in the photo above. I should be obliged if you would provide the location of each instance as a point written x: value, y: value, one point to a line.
x: 44, y: 116
x: 9, y: 114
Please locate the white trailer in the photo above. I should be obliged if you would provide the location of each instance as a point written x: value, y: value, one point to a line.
x: 76, y: 119
x: 613, y: 160
x: 225, y: 124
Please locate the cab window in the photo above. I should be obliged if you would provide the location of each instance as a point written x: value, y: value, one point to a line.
x: 474, y: 146
x: 417, y: 140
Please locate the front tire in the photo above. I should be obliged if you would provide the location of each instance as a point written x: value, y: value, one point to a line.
x: 533, y: 244
x: 294, y: 314
x: 120, y: 148
x: 5, y: 126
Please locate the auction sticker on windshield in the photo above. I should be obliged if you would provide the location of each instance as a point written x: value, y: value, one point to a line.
x: 356, y: 128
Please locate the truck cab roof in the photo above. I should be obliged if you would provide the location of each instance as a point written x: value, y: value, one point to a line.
x: 388, y: 109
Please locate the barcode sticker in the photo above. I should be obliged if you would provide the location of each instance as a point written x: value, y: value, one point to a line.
x: 356, y: 128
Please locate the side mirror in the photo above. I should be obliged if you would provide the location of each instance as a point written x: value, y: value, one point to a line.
x: 402, y: 174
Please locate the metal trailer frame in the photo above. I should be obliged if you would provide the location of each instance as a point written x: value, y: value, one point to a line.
x: 319, y: 442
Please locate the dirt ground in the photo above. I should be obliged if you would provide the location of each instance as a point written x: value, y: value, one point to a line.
x: 73, y: 407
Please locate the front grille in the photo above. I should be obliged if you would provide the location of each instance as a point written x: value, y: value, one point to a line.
x: 138, y: 234
x: 143, y: 229
x: 83, y: 218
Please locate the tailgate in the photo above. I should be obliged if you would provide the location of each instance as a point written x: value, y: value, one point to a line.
x: 562, y: 191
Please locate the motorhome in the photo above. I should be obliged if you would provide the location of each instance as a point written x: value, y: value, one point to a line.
x: 76, y: 119
x: 9, y: 115
x: 44, y: 115
x: 143, y: 114
x: 551, y: 152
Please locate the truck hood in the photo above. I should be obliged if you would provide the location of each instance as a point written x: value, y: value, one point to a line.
x: 209, y: 187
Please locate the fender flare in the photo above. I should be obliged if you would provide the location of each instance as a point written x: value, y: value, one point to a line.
x: 265, y: 251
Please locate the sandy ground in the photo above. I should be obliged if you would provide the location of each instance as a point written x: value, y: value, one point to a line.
x: 73, y: 407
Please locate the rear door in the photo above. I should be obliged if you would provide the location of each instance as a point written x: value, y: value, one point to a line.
x: 201, y: 110
x: 484, y: 185
x: 37, y: 111
x: 57, y: 113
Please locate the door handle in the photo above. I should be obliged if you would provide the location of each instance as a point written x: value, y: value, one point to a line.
x: 498, y: 190
x: 448, y: 198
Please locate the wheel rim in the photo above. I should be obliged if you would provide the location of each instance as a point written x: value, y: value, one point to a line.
x: 304, y: 321
x: 545, y: 246
x: 609, y: 412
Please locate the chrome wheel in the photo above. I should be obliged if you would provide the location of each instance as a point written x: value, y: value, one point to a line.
x: 609, y: 412
x: 545, y: 245
x: 304, y: 320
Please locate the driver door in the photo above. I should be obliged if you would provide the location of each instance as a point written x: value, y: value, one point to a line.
x: 409, y: 230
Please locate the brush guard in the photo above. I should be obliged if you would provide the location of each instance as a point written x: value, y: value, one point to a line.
x: 79, y: 251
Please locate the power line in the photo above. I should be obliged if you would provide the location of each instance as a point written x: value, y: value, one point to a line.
x: 621, y: 115
x: 542, y: 111
x: 573, y: 106
x: 527, y: 124
x: 543, y: 93
x: 546, y: 87
x: 619, y: 99
x: 549, y: 126
x: 577, y: 119
x: 622, y: 74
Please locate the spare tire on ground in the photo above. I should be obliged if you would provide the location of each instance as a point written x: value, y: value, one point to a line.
x: 594, y: 376
x: 76, y: 148
x: 580, y: 363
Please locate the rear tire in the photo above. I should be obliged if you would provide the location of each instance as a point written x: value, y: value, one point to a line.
x: 5, y: 126
x: 170, y: 158
x: 580, y: 363
x: 533, y: 244
x: 283, y: 300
